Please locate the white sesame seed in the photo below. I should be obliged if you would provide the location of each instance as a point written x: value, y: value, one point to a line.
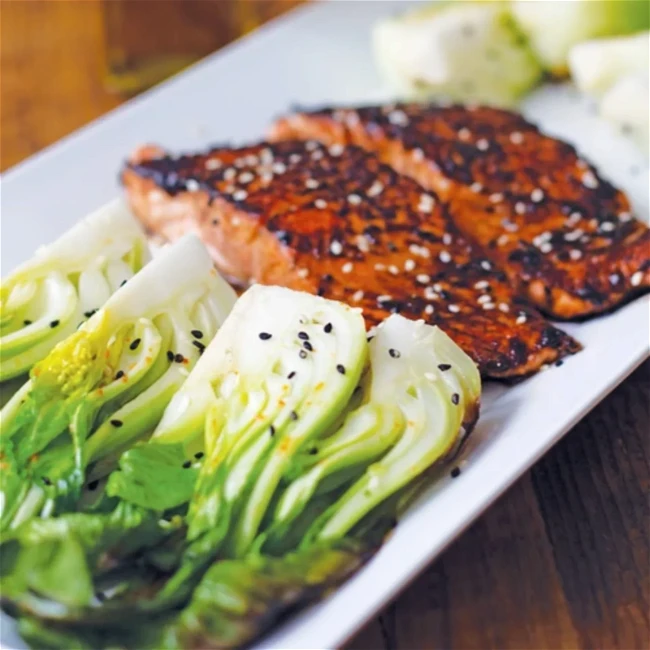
x: 521, y: 319
x: 516, y: 137
x: 347, y: 267
x: 352, y: 118
x: 607, y: 226
x: 384, y: 298
x: 636, y: 278
x: 575, y: 254
x: 317, y: 155
x: 235, y: 221
x: 614, y: 279
x: 295, y: 158
x: 486, y: 265
x: 573, y: 219
x: 446, y: 239
x: 354, y: 199
x: 581, y: 164
x: 428, y: 310
x: 430, y: 376
x: 444, y: 257
x: 321, y: 204
x: 476, y: 187
x: 585, y: 239
x: 266, y: 177
x: 229, y: 189
x: 303, y: 273
x: 358, y: 295
x: 393, y: 269
x: 239, y: 162
x: 336, y: 248
x: 379, y: 266
x: 625, y: 216
x: 399, y: 118
x: 246, y: 177
x: 454, y: 309
x: 589, y: 180
x: 311, y: 183
x: 487, y: 306
x: 278, y: 168
x: 409, y: 265
x: 443, y: 184
x: 510, y: 226
x: 482, y: 144
x: 363, y: 244
x: 423, y: 278
x: 375, y: 189
x: 251, y: 160
x: 426, y: 203
x: 336, y: 149
x: 213, y: 163
x: 464, y: 133
x: 482, y: 284
x: 266, y: 156
x: 417, y: 154
x: 537, y: 195
x: 191, y: 185
x: 437, y: 286
x: 574, y: 235
x: 504, y: 307
x: 497, y: 197
x: 311, y: 145
x: 520, y: 207
x: 546, y: 247
x: 486, y: 297
x: 240, y: 195
x: 430, y: 294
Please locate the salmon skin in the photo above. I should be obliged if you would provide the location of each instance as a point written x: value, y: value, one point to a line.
x: 337, y: 222
x: 565, y: 237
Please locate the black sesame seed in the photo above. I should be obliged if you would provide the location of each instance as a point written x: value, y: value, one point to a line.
x: 455, y: 472
x: 303, y: 336
x: 370, y: 338
x: 89, y: 313
x: 302, y: 354
x: 444, y: 366
x: 198, y: 345
x: 291, y: 375
x: 559, y: 362
x: 122, y: 283
x: 394, y: 353
x: 455, y: 398
x: 272, y: 430
x: 313, y: 451
x: 54, y: 323
x: 170, y: 355
x: 179, y: 358
x: 187, y: 464
x: 198, y: 455
x: 341, y: 368
x: 197, y: 334
x: 119, y: 374
x: 46, y: 481
x: 134, y: 344
x: 308, y: 346
x: 117, y: 423
x: 328, y: 328
x: 265, y: 336
x: 93, y: 485
x: 27, y: 322
x: 293, y: 415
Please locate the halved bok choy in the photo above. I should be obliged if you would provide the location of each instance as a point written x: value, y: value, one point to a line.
x: 107, y: 384
x: 46, y: 298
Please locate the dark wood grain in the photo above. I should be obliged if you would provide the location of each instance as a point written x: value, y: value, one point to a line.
x: 560, y: 562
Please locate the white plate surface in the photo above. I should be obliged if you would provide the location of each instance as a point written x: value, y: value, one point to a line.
x: 319, y: 55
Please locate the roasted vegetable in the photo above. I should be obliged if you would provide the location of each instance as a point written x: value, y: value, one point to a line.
x: 45, y: 299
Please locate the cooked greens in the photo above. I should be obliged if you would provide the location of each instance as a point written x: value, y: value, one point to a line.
x: 108, y: 383
x: 45, y: 299
x: 275, y: 471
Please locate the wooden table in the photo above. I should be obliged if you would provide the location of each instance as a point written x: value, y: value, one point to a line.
x: 561, y: 561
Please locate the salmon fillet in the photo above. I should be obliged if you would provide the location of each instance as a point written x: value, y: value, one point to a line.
x: 565, y: 237
x: 339, y: 223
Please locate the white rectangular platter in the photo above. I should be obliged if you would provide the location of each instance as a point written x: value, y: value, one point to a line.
x: 318, y: 55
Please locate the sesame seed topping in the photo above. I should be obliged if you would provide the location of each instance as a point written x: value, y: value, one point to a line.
x: 476, y: 187
x: 246, y: 177
x: 537, y: 195
x: 546, y: 247
x: 520, y: 207
x: 117, y: 423
x: 340, y: 368
x: 399, y: 118
x: 363, y: 244
x: 444, y: 257
x: 464, y: 133
x: 393, y: 269
x: 454, y: 309
x: 486, y: 297
x: 303, y: 336
x: 574, y: 235
x: 455, y: 399
x: 266, y: 177
x: 502, y: 240
x: 302, y: 354
x: 482, y: 284
x: 573, y: 219
x: 428, y: 310
x: 497, y: 197
x: 336, y: 149
x: 294, y: 158
x: 482, y: 144
x: 293, y: 415
x: 240, y: 195
x: 443, y: 367
x: 266, y: 156
x: 504, y: 307
x: 303, y: 273
x: 589, y: 180
x: 625, y: 216
x: 614, y: 279
x: 409, y: 265
x: 379, y: 266
x: 521, y: 319
x: 607, y: 226
x: 357, y: 295
x: 229, y: 174
x: 354, y: 199
x: 455, y: 472
x: 134, y: 344
x: 317, y: 155
x: 321, y: 204
x: 486, y: 265
x: 272, y: 430
x: 328, y: 328
x: 336, y: 248
x: 636, y: 278
x: 265, y: 336
x: 308, y: 346
x: 426, y: 203
x: 278, y: 168
x: 347, y: 267
x: 488, y: 306
x: 235, y: 221
x: 213, y: 163
x: 291, y: 375
x: 311, y: 145
x: 311, y: 183
x: 191, y: 185
x: 423, y: 278
x: 394, y: 353
x: 179, y: 358
x: 120, y: 373
x: 575, y: 254
x: 417, y: 154
x: 384, y: 298
x: 197, y: 334
x: 430, y: 294
x: 516, y: 137
x: 375, y: 189
x: 54, y: 323
x: 446, y: 239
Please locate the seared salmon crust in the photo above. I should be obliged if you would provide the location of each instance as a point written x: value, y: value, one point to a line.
x: 337, y: 222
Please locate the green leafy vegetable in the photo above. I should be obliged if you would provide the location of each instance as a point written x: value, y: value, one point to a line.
x: 45, y: 299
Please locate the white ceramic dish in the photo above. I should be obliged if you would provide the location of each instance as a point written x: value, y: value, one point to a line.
x: 318, y: 55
